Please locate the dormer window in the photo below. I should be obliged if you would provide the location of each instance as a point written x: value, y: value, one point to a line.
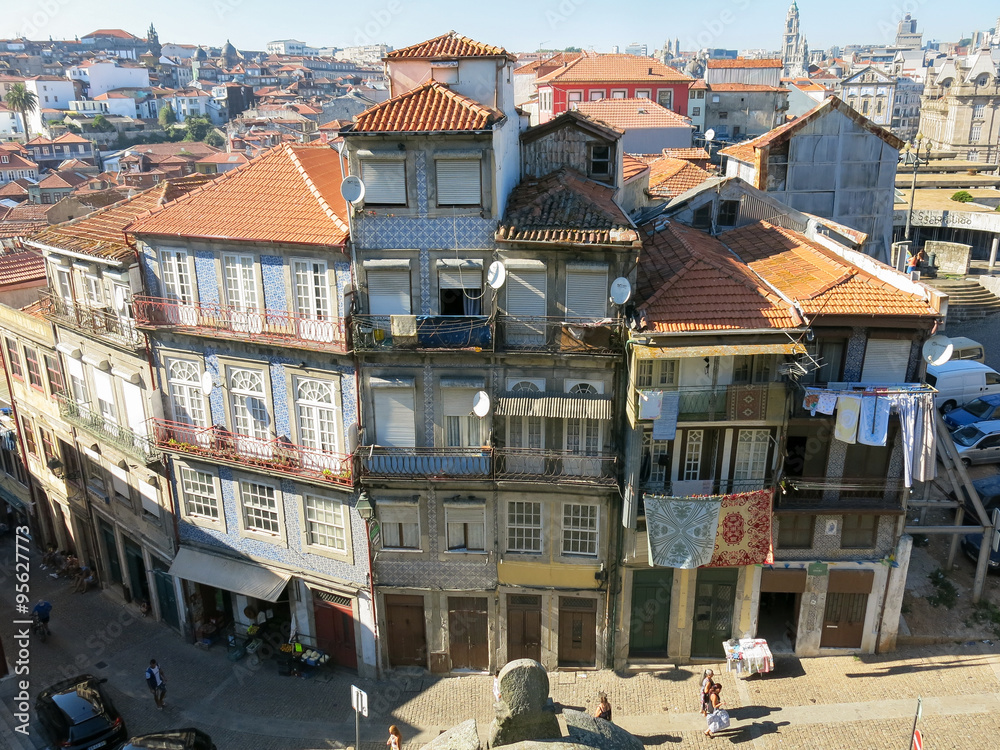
x: 4, y: 160
x: 600, y: 162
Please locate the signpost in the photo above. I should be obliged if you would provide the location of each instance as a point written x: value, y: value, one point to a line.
x: 916, y: 743
x: 359, y: 702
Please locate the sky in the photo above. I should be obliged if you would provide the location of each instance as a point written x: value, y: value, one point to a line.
x: 518, y: 25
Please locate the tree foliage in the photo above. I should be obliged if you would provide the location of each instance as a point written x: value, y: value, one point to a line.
x: 22, y: 101
x: 167, y: 115
x: 196, y: 128
x: 101, y: 124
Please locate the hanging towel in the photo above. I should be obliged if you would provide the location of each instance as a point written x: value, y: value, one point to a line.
x: 665, y: 426
x: 848, y: 408
x: 810, y: 401
x: 906, y: 406
x: 681, y: 532
x: 873, y: 424
x: 650, y: 403
x: 925, y: 458
x: 827, y: 403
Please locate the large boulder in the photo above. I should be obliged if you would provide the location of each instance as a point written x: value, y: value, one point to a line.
x: 521, y: 711
x: 464, y: 736
x: 597, y: 733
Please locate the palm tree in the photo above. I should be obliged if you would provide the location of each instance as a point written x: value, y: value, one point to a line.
x: 23, y: 101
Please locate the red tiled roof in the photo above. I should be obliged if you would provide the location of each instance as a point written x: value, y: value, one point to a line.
x: 689, y: 281
x: 632, y: 167
x: 224, y: 158
x: 691, y: 154
x: 27, y: 212
x: 15, y: 189
x: 429, y: 107
x: 118, y: 33
x: 557, y: 59
x: 289, y: 194
x: 624, y: 114
x: 448, y: 46
x: 564, y: 207
x: 819, y: 280
x: 21, y: 267
x: 64, y: 179
x: 742, y: 62
x: 15, y: 161
x: 724, y: 88
x: 615, y: 68
x: 669, y: 177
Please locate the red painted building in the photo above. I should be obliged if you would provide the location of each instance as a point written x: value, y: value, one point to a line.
x: 595, y: 77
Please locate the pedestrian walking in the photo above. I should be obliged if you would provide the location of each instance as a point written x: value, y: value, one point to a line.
x: 707, y: 681
x: 496, y: 686
x: 395, y: 741
x: 718, y: 717
x: 603, y: 707
x: 157, y: 685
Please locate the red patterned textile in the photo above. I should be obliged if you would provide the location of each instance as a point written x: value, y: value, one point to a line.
x: 743, y: 536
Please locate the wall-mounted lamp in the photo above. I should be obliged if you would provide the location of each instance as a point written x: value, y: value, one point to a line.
x: 365, y: 507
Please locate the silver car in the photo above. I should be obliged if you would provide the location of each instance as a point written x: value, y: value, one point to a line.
x: 978, y: 443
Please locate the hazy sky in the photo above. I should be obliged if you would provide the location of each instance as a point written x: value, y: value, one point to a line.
x: 518, y: 25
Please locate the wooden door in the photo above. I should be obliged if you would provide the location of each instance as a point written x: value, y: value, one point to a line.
x: 335, y: 628
x: 524, y: 627
x: 405, y: 631
x: 111, y: 549
x: 715, y: 598
x: 468, y: 632
x: 577, y: 632
x: 136, y: 572
x: 650, y: 612
x: 844, y: 620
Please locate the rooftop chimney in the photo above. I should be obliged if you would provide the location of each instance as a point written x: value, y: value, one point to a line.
x: 650, y: 71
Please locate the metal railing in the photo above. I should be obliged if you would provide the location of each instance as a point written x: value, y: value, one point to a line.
x: 99, y: 321
x: 547, y: 334
x: 695, y: 488
x: 525, y: 464
x: 278, y: 327
x: 276, y: 455
x: 123, y: 438
x: 729, y: 403
x: 434, y: 332
x: 808, y: 493
x: 428, y: 463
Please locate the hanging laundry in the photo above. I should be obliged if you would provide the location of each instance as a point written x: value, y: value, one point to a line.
x: 681, y: 531
x: 650, y: 403
x: 665, y: 425
x: 848, y: 409
x: 811, y: 401
x: 873, y: 423
x: 925, y: 458
x: 827, y: 403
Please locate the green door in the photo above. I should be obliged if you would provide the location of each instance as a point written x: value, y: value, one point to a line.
x: 715, y: 598
x: 136, y: 572
x: 650, y: 612
x: 165, y: 594
x: 111, y: 549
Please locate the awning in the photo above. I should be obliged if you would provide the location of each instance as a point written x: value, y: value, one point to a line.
x: 245, y: 578
x: 12, y: 500
x: 558, y: 405
x: 679, y: 352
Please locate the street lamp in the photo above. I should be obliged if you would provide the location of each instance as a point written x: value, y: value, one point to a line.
x: 365, y: 508
x: 911, y: 157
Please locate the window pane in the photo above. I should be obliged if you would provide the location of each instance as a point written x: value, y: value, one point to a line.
x: 325, y: 523
x: 524, y: 527
x: 260, y: 509
x: 199, y: 493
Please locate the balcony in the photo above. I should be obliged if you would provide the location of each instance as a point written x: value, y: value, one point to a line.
x: 557, y: 335
x: 277, y: 327
x: 840, y: 494
x: 123, y: 438
x: 702, y: 487
x: 527, y: 465
x: 426, y: 463
x: 274, y: 456
x: 731, y: 403
x: 373, y: 333
x: 97, y: 321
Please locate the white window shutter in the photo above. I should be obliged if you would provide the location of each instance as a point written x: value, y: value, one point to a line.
x: 135, y: 411
x: 457, y: 402
x: 385, y: 182
x: 394, y: 417
x: 103, y: 388
x: 459, y: 182
x: 586, y: 293
x: 526, y: 294
x: 886, y: 361
x: 470, y: 277
x: 389, y: 291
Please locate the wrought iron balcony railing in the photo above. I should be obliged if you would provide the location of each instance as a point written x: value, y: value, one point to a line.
x: 106, y: 430
x: 423, y: 332
x: 274, y: 455
x: 546, y: 334
x: 845, y: 493
x: 426, y: 463
x: 525, y: 464
x: 726, y: 403
x: 94, y: 320
x: 278, y: 327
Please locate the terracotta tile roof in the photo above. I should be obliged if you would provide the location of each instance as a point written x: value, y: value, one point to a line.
x: 15, y: 189
x: 557, y: 59
x: 21, y: 267
x: 70, y: 138
x: 819, y: 280
x: 729, y: 88
x: 669, y: 177
x: 12, y: 229
x: 65, y: 179
x: 692, y: 154
x: 15, y: 161
x: 449, y: 47
x: 615, y: 68
x: 224, y: 158
x: 623, y: 114
x: 195, y: 148
x: 117, y: 33
x: 689, y: 281
x: 565, y: 207
x: 289, y: 194
x: 632, y: 167
x: 431, y: 107
x: 27, y: 212
x: 742, y: 62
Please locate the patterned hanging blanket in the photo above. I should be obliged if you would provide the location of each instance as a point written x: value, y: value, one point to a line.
x: 681, y: 531
x: 743, y: 536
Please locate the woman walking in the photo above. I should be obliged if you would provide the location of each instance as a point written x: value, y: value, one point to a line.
x: 395, y: 741
x: 707, y: 682
x: 603, y: 708
x: 718, y: 717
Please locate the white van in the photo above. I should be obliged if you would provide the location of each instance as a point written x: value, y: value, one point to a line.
x: 966, y: 348
x: 960, y: 381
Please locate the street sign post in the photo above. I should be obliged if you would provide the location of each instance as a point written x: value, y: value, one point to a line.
x: 918, y: 742
x: 359, y: 702
x: 915, y: 741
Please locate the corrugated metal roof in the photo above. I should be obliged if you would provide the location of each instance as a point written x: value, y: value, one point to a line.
x: 557, y: 405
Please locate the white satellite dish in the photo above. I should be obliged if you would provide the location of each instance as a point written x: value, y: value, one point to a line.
x: 481, y: 404
x: 207, y: 384
x: 621, y: 290
x: 710, y: 134
x: 496, y: 275
x: 937, y: 349
x: 352, y: 189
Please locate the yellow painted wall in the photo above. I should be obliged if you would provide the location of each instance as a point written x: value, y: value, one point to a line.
x: 553, y: 574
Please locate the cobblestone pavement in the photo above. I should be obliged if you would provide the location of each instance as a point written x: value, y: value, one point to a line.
x: 828, y: 702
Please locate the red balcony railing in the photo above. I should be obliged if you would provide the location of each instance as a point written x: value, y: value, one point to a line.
x: 280, y: 456
x: 278, y: 327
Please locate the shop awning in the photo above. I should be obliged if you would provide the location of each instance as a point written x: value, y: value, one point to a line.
x: 679, y: 352
x: 12, y: 500
x: 245, y: 578
x: 558, y: 405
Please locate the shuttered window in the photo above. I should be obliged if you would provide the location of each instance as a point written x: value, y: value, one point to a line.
x: 458, y: 182
x: 586, y: 293
x: 463, y: 429
x: 105, y: 392
x: 886, y: 361
x: 389, y: 291
x: 385, y: 182
x: 394, y: 418
x: 526, y: 294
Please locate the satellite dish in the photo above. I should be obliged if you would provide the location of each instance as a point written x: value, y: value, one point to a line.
x: 207, y: 384
x: 621, y: 290
x: 352, y: 189
x: 496, y: 275
x: 481, y: 404
x: 710, y: 134
x: 937, y: 349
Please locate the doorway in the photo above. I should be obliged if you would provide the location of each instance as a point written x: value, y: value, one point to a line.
x: 468, y: 633
x: 137, y: 580
x: 777, y: 618
x: 715, y: 598
x: 335, y: 628
x: 524, y: 627
x: 407, y: 639
x: 846, y: 608
x: 166, y: 594
x: 114, y: 566
x: 650, y: 623
x: 577, y: 632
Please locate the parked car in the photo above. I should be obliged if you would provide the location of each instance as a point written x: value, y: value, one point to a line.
x: 965, y: 348
x: 988, y: 489
x: 971, y: 544
x: 77, y: 714
x: 978, y: 443
x: 959, y: 382
x: 978, y: 410
x: 174, y: 739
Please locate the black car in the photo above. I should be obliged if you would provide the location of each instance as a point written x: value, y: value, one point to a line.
x: 174, y: 739
x: 971, y: 545
x: 77, y: 714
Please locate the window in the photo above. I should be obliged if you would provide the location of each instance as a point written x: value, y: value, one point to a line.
x: 751, y: 456
x: 618, y: 93
x: 385, y: 182
x: 34, y: 368
x: 886, y: 361
x: 466, y: 529
x: 859, y: 532
x: 525, y: 301
x: 755, y: 368
x: 241, y: 281
x: 972, y: 156
x: 978, y: 111
x: 77, y: 384
x: 462, y: 428
x: 311, y: 290
x: 54, y: 372
x: 325, y: 523
x: 699, y: 94
x: 260, y: 508
x: 691, y: 468
x: 400, y: 527
x: 696, y: 111
x: 723, y: 115
x: 524, y: 526
x: 702, y: 217
x: 665, y: 98
x: 579, y: 529
x: 729, y: 211
x: 388, y: 291
x: 187, y: 403
x: 13, y: 359
x: 29, y: 436
x: 596, y: 95
x: 459, y: 182
x: 95, y: 291
x: 736, y: 131
x: 715, y: 98
x: 586, y: 292
x: 250, y: 417
x: 656, y: 372
x: 104, y: 390
x: 460, y: 288
x: 394, y: 415
x: 643, y: 93
x: 49, y: 450
x: 829, y: 356
x: 574, y: 97
x: 178, y: 276
x: 644, y: 373
x: 600, y: 161
x: 656, y: 461
x: 975, y: 133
